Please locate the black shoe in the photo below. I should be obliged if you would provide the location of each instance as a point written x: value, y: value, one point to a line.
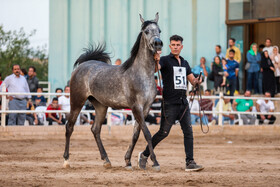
x: 192, y: 166
x: 142, y: 161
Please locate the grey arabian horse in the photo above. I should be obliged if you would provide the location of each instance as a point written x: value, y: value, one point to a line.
x: 130, y: 85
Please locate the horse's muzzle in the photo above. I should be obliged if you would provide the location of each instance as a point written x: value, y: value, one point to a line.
x: 158, y: 44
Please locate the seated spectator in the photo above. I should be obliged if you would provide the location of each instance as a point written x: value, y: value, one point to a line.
x: 265, y: 106
x: 31, y: 117
x: 201, y: 68
x: 64, y: 101
x: 245, y: 105
x: 194, y: 109
x: 207, y: 105
x: 58, y: 90
x: 39, y: 99
x: 226, y: 105
x: 53, y: 117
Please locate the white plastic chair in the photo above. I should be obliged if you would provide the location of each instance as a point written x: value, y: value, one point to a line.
x: 42, y: 114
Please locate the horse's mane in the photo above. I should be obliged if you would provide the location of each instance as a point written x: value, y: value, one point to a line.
x: 94, y: 53
x: 133, y: 53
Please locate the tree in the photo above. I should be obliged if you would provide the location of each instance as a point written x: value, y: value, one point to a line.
x: 15, y: 49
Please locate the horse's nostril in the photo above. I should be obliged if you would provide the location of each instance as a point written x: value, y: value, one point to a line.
x: 157, y: 42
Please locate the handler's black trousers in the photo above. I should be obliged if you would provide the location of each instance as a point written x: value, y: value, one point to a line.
x: 169, y: 114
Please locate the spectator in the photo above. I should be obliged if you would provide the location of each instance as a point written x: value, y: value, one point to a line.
x: 261, y: 46
x: 218, y: 73
x: 64, y: 101
x: 232, y: 68
x: 194, y: 109
x: 23, y: 72
x: 53, y: 117
x: 31, y: 117
x: 275, y: 58
x: 39, y: 99
x: 32, y: 80
x: 237, y: 54
x: 265, y: 106
x: 202, y: 67
x: 16, y: 83
x: 260, y: 81
x: 118, y: 62
x: 58, y: 90
x: 253, y: 68
x: 207, y: 105
x: 268, y: 46
x: 219, y: 53
x: 268, y: 74
x: 226, y: 105
x: 237, y: 57
x: 245, y: 105
x: 159, y: 90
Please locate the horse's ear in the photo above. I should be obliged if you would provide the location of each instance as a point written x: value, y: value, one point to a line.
x: 156, y: 19
x: 141, y: 19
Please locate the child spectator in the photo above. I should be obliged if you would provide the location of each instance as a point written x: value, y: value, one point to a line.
x: 39, y: 99
x: 53, y: 117
x: 58, y: 90
x: 31, y: 118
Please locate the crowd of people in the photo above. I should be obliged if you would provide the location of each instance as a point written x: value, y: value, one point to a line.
x: 262, y: 71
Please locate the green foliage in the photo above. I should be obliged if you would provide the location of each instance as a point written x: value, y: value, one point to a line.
x: 15, y: 49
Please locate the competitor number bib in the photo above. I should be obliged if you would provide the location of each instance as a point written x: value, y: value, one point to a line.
x: 180, y: 79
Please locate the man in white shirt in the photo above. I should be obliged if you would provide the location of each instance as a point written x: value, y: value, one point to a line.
x: 17, y: 83
x: 194, y: 108
x: 64, y: 101
x: 265, y: 106
x: 268, y: 46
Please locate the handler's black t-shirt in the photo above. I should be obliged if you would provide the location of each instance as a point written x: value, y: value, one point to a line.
x: 174, y: 78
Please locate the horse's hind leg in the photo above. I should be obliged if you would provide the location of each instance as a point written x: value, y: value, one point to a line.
x: 135, y: 136
x: 100, y: 114
x: 74, y: 112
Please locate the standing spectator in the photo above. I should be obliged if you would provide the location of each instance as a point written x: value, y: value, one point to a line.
x: 275, y: 58
x: 64, y: 101
x: 261, y: 46
x: 226, y: 105
x: 232, y: 72
x: 207, y: 105
x: 265, y: 106
x: 118, y: 62
x: 260, y: 81
x: 218, y: 72
x: 219, y: 53
x: 268, y: 46
x: 58, y: 90
x: 253, y: 57
x: 16, y: 83
x: 245, y: 105
x: 23, y: 72
x: 39, y: 99
x: 237, y: 57
x: 202, y: 67
x: 268, y: 74
x: 53, y: 117
x: 32, y: 80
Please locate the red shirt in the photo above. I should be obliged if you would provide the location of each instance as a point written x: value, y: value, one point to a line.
x: 50, y: 107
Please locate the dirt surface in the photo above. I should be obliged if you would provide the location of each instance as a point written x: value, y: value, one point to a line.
x: 231, y: 155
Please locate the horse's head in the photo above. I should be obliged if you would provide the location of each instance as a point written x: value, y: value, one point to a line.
x: 151, y: 33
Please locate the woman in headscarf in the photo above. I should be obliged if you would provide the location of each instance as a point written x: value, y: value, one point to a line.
x: 218, y: 74
x: 253, y: 68
x: 275, y: 58
x: 268, y: 69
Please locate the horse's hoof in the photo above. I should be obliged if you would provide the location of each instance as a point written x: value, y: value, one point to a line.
x: 156, y: 168
x: 128, y: 167
x: 66, y: 164
x: 107, y: 165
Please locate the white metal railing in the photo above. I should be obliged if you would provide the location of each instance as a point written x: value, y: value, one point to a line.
x: 219, y: 113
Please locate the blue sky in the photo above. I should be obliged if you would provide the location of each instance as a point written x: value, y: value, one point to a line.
x: 29, y: 14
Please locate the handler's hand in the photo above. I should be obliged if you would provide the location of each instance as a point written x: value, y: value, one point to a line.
x: 157, y: 56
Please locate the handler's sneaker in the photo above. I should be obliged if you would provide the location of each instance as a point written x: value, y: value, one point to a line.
x: 142, y: 161
x: 192, y: 166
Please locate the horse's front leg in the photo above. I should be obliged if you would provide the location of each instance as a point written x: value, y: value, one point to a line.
x: 139, y: 116
x: 135, y: 136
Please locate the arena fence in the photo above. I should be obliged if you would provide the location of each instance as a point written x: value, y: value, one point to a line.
x: 218, y: 113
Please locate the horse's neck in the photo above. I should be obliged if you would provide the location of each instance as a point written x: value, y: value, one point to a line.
x: 144, y: 60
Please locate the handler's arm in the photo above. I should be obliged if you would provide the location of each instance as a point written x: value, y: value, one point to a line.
x: 194, y: 80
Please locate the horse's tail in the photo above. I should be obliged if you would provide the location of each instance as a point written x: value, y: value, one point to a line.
x: 94, y: 53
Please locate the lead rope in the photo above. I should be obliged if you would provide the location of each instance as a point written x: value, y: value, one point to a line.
x: 194, y: 91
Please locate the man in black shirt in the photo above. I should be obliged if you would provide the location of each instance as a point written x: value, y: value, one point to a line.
x: 175, y: 73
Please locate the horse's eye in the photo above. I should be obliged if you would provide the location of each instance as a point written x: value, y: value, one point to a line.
x: 147, y: 31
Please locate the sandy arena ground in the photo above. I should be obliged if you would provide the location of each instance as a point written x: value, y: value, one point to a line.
x: 231, y: 155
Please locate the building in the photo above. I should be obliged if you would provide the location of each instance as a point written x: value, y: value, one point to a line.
x: 75, y: 24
